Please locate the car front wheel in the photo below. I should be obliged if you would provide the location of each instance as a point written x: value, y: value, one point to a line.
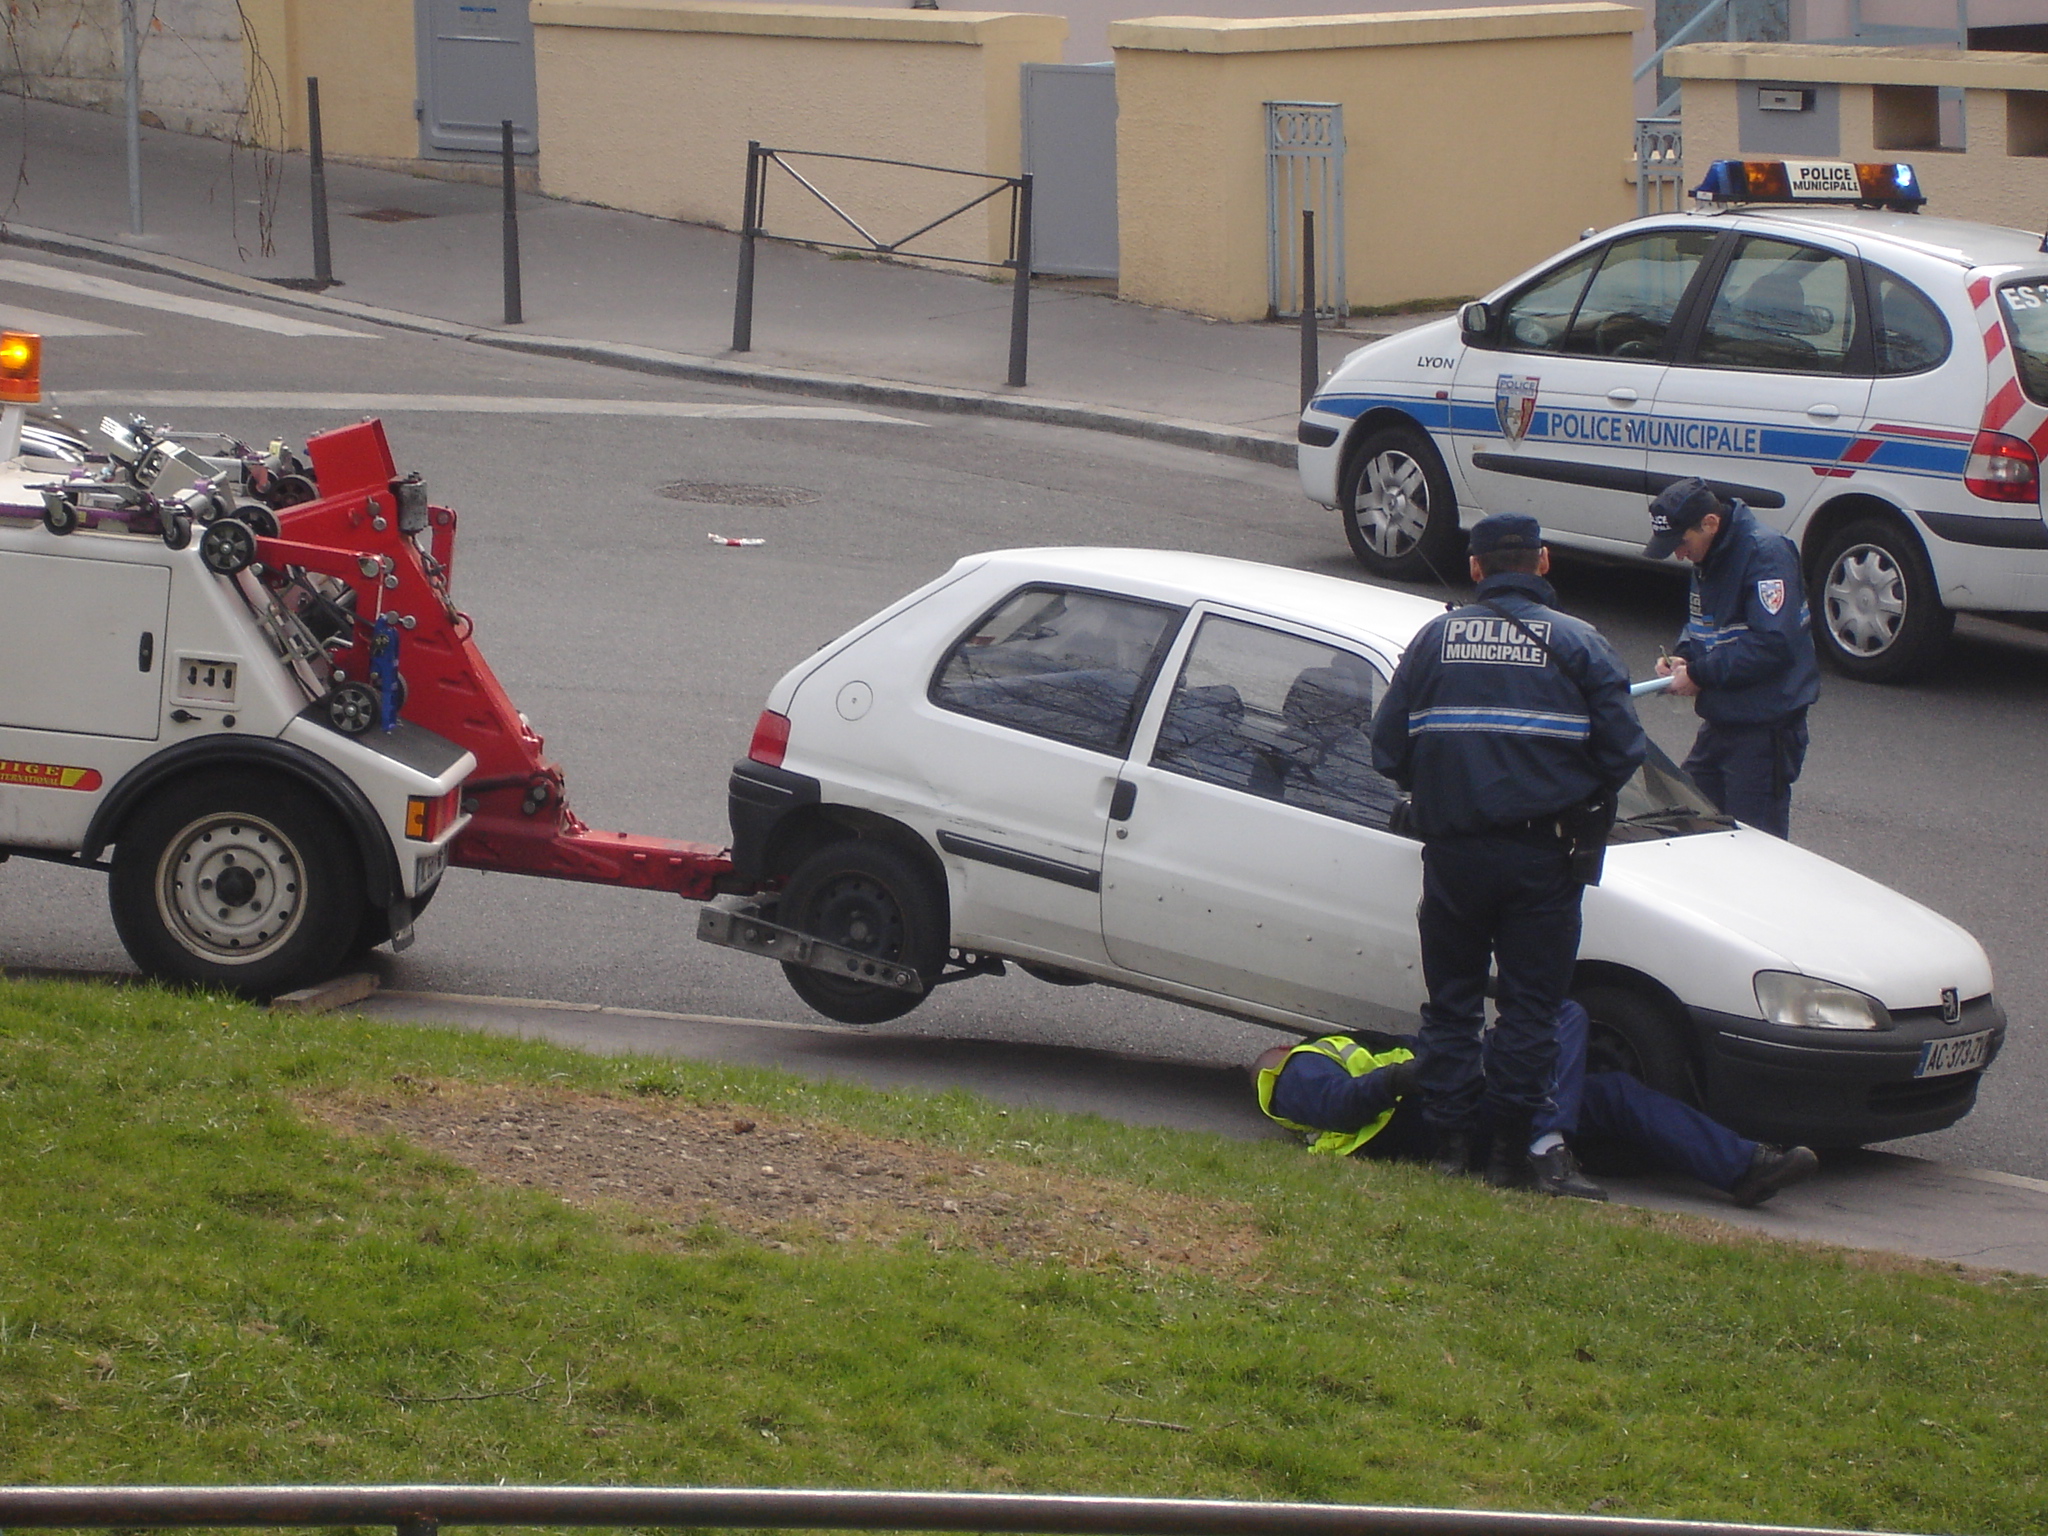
x: 875, y: 900
x: 1876, y: 614
x: 1635, y: 1034
x: 1400, y: 515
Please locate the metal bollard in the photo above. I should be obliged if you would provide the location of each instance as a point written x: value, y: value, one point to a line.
x: 1311, y: 351
x: 1020, y: 300
x: 323, y: 255
x: 750, y: 224
x: 514, y: 314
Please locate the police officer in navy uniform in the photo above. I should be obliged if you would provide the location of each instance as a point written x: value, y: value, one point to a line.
x: 1746, y: 659
x: 1503, y: 716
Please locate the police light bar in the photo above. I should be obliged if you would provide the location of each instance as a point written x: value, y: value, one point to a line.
x: 1880, y: 184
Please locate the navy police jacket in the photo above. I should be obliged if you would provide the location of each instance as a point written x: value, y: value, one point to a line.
x: 1488, y: 729
x: 1748, y: 643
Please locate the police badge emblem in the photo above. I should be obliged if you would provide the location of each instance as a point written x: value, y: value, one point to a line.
x: 1771, y: 594
x: 1514, y: 403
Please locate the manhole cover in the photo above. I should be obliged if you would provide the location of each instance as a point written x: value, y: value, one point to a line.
x: 739, y: 495
x: 389, y: 215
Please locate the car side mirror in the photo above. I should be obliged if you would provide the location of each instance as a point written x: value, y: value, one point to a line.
x: 1475, y: 320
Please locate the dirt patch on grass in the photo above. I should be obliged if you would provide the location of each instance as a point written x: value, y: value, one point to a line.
x: 796, y: 1184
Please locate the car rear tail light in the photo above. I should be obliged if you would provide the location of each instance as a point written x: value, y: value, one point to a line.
x: 2002, y: 468
x: 426, y: 819
x: 771, y: 739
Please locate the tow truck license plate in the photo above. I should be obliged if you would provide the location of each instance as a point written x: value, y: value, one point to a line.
x: 432, y: 865
x: 1965, y: 1053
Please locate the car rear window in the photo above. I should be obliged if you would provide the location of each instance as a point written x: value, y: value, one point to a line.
x: 1059, y: 662
x: 2025, y: 304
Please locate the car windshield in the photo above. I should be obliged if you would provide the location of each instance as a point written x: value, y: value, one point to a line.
x: 1660, y: 801
x: 2025, y: 304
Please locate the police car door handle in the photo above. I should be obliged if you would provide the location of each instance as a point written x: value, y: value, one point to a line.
x: 1622, y: 394
x: 1121, y: 799
x: 1823, y: 411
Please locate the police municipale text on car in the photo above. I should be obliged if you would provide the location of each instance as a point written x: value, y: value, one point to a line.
x: 1870, y: 381
x: 1151, y: 769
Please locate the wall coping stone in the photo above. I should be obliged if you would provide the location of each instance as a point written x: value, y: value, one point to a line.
x: 1841, y: 64
x: 1390, y: 29
x: 867, y: 23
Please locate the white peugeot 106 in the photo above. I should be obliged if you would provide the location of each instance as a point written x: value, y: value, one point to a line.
x: 1872, y: 382
x: 1151, y: 769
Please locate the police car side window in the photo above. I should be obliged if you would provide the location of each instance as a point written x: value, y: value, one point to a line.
x: 1781, y: 308
x: 1057, y: 662
x: 1911, y: 336
x: 1277, y: 716
x: 1538, y: 318
x: 1618, y: 301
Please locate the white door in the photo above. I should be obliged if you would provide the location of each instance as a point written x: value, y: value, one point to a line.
x: 84, y: 642
x: 1771, y: 401
x: 1553, y: 418
x: 1251, y: 859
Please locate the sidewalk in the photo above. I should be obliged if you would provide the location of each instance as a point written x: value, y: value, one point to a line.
x: 655, y: 295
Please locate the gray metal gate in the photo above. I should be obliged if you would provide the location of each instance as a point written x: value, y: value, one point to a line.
x: 1070, y: 155
x: 1305, y: 169
x: 1660, y: 165
x: 475, y: 60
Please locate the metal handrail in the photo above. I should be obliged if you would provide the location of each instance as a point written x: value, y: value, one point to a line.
x: 420, y: 1509
x: 1683, y: 35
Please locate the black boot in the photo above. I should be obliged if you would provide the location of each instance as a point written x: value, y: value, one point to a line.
x: 1556, y: 1172
x: 1507, y: 1163
x: 1450, y: 1152
x: 1772, y: 1169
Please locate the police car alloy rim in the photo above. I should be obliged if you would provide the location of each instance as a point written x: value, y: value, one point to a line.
x: 230, y: 887
x: 1392, y: 505
x: 1864, y: 598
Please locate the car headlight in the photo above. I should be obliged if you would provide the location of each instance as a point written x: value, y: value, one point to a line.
x: 1804, y: 1003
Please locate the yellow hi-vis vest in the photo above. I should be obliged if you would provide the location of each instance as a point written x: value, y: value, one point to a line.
x: 1353, y: 1058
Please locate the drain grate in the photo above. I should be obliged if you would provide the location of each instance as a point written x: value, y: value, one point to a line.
x: 389, y: 215
x: 738, y: 495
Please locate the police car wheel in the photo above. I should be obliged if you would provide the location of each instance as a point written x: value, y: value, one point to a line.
x: 236, y: 880
x: 1400, y: 515
x: 874, y: 899
x: 1876, y: 615
x: 1635, y: 1034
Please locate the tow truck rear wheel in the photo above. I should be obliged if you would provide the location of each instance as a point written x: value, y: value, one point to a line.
x: 1400, y: 514
x: 1876, y: 614
x: 868, y: 897
x: 238, y: 881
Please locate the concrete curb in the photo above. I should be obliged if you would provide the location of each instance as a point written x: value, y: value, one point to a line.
x: 1236, y: 442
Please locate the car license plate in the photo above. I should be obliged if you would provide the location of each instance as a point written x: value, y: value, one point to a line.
x: 432, y: 866
x: 1965, y: 1053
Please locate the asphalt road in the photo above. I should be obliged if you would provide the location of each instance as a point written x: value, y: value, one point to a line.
x: 642, y: 652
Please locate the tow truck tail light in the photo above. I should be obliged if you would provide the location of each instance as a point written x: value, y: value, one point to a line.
x: 21, y: 368
x: 771, y: 739
x: 2002, y: 468
x: 426, y: 819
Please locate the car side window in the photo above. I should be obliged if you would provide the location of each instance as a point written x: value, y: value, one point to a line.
x: 1058, y: 662
x: 1277, y: 716
x: 1910, y: 334
x: 1781, y: 308
x: 1626, y: 308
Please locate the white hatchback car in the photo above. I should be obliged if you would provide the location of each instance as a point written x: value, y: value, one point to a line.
x: 1151, y: 769
x: 1872, y: 382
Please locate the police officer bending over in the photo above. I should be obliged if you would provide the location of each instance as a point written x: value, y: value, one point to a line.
x: 1504, y: 716
x: 1746, y: 658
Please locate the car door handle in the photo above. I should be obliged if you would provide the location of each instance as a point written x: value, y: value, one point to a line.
x: 1823, y: 412
x: 1121, y: 799
x: 1622, y: 394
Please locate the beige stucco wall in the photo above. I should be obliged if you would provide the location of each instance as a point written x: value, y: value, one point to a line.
x: 684, y: 84
x: 362, y: 54
x: 1477, y: 143
x: 1984, y: 182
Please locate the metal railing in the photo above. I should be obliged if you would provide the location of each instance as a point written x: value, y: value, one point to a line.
x: 753, y: 227
x: 1660, y: 163
x: 1304, y: 174
x: 420, y: 1510
x: 1722, y: 9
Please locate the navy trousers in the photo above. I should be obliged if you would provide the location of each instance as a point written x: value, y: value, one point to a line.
x: 1748, y: 770
x: 1600, y: 1106
x: 1505, y: 903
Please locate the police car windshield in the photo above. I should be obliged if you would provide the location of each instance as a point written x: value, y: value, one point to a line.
x: 2026, y: 321
x: 1660, y: 801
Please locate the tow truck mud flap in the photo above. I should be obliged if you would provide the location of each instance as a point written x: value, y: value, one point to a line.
x: 736, y: 923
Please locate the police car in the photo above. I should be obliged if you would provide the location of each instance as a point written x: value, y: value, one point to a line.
x: 1871, y: 381
x: 1150, y: 769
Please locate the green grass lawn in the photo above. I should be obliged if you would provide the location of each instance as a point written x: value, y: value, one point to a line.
x: 203, y: 1280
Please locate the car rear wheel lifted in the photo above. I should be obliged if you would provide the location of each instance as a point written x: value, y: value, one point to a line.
x: 1876, y: 614
x: 238, y: 881
x: 1400, y: 514
x: 875, y: 899
x: 1636, y: 1034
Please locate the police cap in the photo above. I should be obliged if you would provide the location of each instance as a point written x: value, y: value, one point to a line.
x: 1681, y: 505
x: 1506, y: 530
